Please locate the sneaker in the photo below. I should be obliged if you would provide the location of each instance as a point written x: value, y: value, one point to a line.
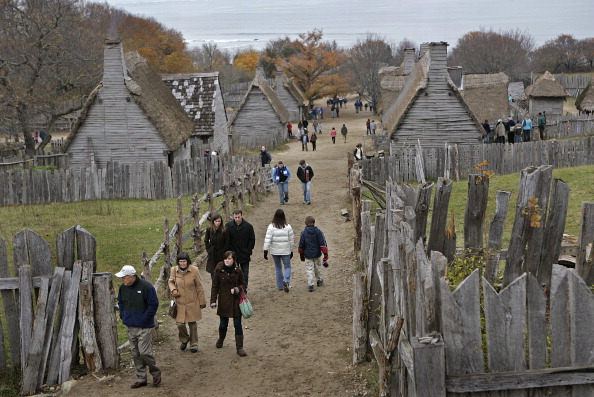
x: 194, y: 350
x: 183, y: 346
x: 310, y: 288
x: 309, y: 202
x: 286, y: 286
x: 320, y: 282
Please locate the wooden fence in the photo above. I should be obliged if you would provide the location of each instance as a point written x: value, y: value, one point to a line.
x: 49, y: 313
x: 21, y: 160
x: 529, y: 334
x: 155, y: 181
x: 460, y: 161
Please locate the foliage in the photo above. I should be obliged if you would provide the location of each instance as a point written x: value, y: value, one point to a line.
x: 313, y: 64
x: 491, y: 52
x: 247, y: 60
x: 532, y: 211
x: 209, y: 58
x: 46, y: 168
x: 364, y: 62
x: 276, y: 50
x: 463, y: 265
x: 482, y: 168
x: 10, y: 382
x: 564, y: 54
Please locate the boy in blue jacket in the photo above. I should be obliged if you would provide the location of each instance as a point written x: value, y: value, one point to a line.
x: 313, y: 250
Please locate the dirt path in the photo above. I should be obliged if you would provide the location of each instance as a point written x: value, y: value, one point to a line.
x: 298, y: 343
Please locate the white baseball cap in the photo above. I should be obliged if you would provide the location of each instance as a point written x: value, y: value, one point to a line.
x: 126, y: 271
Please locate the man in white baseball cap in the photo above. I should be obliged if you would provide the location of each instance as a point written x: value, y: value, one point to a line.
x: 138, y: 304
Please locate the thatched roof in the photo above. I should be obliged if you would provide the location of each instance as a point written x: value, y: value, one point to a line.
x: 546, y: 86
x: 152, y: 96
x: 585, y: 101
x: 279, y: 109
x: 486, y: 95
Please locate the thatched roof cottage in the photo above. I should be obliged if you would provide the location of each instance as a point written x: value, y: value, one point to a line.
x: 546, y: 94
x: 200, y: 96
x: 430, y: 107
x: 290, y: 95
x: 486, y: 95
x: 129, y: 117
x: 260, y: 118
x: 585, y: 101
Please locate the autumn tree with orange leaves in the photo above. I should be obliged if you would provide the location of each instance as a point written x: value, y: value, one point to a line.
x: 314, y: 66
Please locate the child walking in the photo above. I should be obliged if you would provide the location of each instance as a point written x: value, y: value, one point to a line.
x: 312, y: 246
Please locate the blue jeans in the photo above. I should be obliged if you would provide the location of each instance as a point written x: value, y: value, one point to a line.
x: 224, y: 323
x: 306, y: 186
x: 279, y: 261
x: 283, y: 191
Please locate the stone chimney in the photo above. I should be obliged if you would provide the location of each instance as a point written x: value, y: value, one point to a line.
x: 409, y: 61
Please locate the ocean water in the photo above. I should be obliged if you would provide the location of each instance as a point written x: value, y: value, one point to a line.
x: 235, y: 24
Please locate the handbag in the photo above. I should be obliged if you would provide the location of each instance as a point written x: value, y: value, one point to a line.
x: 173, y: 309
x: 245, y: 305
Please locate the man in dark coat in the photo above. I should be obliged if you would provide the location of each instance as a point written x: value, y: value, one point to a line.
x: 138, y: 304
x: 265, y: 156
x: 305, y: 174
x: 242, y: 240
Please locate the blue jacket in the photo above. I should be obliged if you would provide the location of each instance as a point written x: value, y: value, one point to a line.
x: 277, y: 173
x: 312, y: 243
x: 138, y: 304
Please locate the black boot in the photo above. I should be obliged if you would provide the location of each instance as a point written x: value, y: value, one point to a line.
x: 222, y: 334
x: 239, y: 345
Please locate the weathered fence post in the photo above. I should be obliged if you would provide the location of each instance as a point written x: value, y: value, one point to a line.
x: 86, y: 314
x: 476, y: 207
x: 197, y: 233
x: 440, y: 215
x: 179, y: 233
x: 105, y: 319
x: 429, y: 369
x: 422, y: 210
x: 26, y: 311
x: 496, y: 235
x: 67, y: 338
x: 360, y: 314
x: 10, y: 310
x: 356, y: 194
x: 585, y: 263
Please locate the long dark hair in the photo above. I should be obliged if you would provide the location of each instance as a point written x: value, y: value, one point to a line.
x: 213, y: 218
x: 279, y: 221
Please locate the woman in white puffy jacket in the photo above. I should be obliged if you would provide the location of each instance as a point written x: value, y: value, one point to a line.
x: 279, y: 242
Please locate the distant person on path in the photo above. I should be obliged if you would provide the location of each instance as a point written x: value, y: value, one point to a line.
x: 312, y: 245
x: 321, y: 112
x: 337, y: 112
x: 487, y: 128
x: 226, y: 285
x: 542, y: 123
x: 510, y: 129
x: 527, y: 128
x: 304, y: 141
x: 42, y: 135
x: 241, y: 241
x: 344, y: 132
x: 305, y: 174
x: 368, y: 125
x: 300, y: 128
x: 290, y: 130
x: 305, y: 124
x: 500, y: 131
x: 373, y: 127
x: 216, y: 241
x: 138, y: 304
x: 333, y: 135
x: 36, y: 137
x: 313, y: 138
x: 358, y: 152
x: 281, y: 176
x: 279, y: 242
x: 186, y: 288
x: 265, y: 156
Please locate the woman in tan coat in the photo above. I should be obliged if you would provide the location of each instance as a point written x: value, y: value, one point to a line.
x: 186, y: 287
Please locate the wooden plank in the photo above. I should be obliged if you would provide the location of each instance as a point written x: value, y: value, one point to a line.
x: 495, y: 240
x: 429, y: 363
x: 427, y: 296
x: 68, y: 324
x: 440, y: 215
x: 65, y: 244
x: 584, y: 264
x: 86, y: 246
x: 86, y: 318
x: 536, y: 305
x: 360, y: 313
x: 10, y: 310
x: 30, y: 248
x: 422, y: 204
x: 25, y: 311
x: 105, y: 319
x: 536, y: 234
x: 375, y: 292
x: 476, y: 208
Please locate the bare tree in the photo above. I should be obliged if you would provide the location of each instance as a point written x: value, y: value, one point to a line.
x: 403, y: 45
x: 209, y: 57
x: 564, y: 54
x: 366, y: 58
x: 491, y: 52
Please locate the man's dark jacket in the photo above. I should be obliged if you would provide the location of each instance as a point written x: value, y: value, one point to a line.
x: 241, y: 240
x: 138, y: 304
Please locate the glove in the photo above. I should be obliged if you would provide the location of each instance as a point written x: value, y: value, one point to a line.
x: 203, y: 306
x: 266, y: 254
x: 291, y: 256
x: 176, y: 293
x: 325, y: 258
x: 302, y: 257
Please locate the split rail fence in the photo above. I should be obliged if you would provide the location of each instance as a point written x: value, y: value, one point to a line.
x: 527, y: 334
x: 50, y: 314
x: 458, y: 162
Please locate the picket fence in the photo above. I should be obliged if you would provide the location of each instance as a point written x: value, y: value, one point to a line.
x: 154, y: 181
x: 458, y: 162
x: 529, y: 334
x: 50, y: 314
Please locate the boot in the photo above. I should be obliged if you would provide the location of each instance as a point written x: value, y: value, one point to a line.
x: 239, y: 345
x: 222, y: 334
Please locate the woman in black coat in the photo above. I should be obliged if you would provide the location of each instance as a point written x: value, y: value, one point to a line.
x: 216, y: 241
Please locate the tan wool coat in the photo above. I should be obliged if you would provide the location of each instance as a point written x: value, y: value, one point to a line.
x: 190, y: 287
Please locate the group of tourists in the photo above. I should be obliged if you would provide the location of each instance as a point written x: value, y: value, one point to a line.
x: 281, y: 176
x: 515, y: 131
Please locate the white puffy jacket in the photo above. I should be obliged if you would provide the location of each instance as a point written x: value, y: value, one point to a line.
x: 279, y: 241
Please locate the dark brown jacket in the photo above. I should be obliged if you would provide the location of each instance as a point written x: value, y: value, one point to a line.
x: 228, y: 304
x: 216, y: 245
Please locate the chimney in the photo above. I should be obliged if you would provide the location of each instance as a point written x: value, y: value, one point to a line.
x: 423, y: 49
x: 438, y: 53
x: 409, y: 61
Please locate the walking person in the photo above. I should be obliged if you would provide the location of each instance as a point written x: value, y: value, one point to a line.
x: 368, y: 126
x: 510, y: 129
x: 281, y: 176
x: 225, y: 289
x: 186, y: 287
x: 279, y: 242
x: 242, y: 240
x: 373, y: 127
x: 542, y: 123
x: 305, y: 174
x: 500, y: 131
x: 304, y: 140
x: 265, y: 157
x: 487, y: 128
x: 314, y: 251
x: 358, y: 152
x: 527, y: 128
x: 138, y: 304
x: 333, y: 135
x: 344, y: 132
x: 289, y: 130
x: 313, y: 139
x: 216, y: 241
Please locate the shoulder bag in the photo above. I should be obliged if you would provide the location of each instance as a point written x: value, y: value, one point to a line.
x: 244, y: 304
